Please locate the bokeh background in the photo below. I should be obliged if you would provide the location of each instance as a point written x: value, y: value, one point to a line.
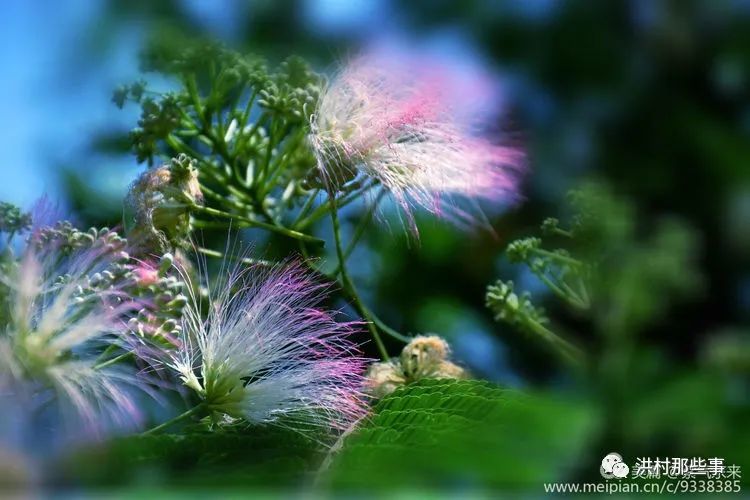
x: 651, y: 97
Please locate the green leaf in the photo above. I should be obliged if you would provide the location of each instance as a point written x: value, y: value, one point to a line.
x: 260, y: 456
x: 471, y: 433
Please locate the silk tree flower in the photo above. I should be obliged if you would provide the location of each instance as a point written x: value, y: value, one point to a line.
x: 267, y: 353
x: 415, y: 127
x: 425, y: 356
x: 160, y: 201
x: 58, y: 318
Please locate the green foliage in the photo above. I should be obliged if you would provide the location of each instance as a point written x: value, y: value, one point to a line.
x: 519, y: 311
x: 13, y: 219
x: 638, y: 267
x: 243, y: 128
x: 608, y: 272
x: 6, y: 269
x: 243, y: 124
x: 264, y: 456
x: 512, y: 308
x: 729, y: 351
x: 618, y: 274
x: 462, y: 433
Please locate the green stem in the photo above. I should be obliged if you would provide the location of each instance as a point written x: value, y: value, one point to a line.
x: 570, y: 298
x: 113, y: 361
x: 290, y: 233
x: 282, y: 156
x: 325, y: 207
x: 562, y: 232
x: 556, y: 256
x: 248, y: 107
x: 244, y: 260
x: 306, y: 207
x: 567, y: 350
x: 581, y: 301
x: 181, y: 146
x: 360, y: 230
x: 349, y: 285
x: 170, y: 422
x: 385, y: 328
x: 249, y: 135
x: 267, y: 157
x: 210, y: 193
x: 210, y: 170
x: 348, y: 295
x: 219, y: 146
x: 584, y: 292
x: 192, y: 87
x: 109, y: 350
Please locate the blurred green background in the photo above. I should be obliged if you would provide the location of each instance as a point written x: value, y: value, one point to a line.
x: 650, y: 97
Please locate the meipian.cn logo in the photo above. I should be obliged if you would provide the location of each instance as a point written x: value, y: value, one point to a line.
x: 613, y: 467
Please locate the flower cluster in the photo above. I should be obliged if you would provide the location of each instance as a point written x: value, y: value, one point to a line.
x: 267, y: 352
x: 73, y: 305
x: 60, y: 319
x: 85, y: 314
x: 407, y: 124
x: 149, y: 282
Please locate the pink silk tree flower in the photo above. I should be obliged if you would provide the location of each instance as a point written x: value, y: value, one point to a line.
x: 58, y: 321
x: 416, y: 128
x: 146, y: 273
x: 268, y: 353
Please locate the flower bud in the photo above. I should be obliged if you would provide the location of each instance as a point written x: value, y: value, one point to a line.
x: 161, y: 200
x: 426, y: 356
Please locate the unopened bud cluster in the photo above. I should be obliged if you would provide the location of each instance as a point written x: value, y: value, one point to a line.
x: 163, y: 292
x: 12, y: 219
x: 511, y: 307
x: 160, y: 292
x: 426, y: 356
x: 293, y: 91
x: 161, y: 200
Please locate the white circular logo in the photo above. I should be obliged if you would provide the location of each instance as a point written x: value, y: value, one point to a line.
x: 613, y: 467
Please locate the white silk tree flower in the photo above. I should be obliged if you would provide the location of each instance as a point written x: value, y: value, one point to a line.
x: 416, y: 128
x: 58, y: 317
x: 268, y: 353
